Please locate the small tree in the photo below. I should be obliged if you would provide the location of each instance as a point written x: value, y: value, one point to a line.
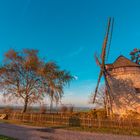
x: 43, y: 109
x: 71, y: 109
x: 63, y: 109
x: 54, y: 81
x: 135, y: 55
x: 102, y: 100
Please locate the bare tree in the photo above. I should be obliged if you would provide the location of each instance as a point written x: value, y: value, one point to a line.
x: 54, y: 81
x: 25, y: 76
x: 102, y: 100
x: 19, y: 76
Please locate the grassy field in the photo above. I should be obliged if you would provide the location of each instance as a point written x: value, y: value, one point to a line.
x: 119, y: 131
x: 6, y: 138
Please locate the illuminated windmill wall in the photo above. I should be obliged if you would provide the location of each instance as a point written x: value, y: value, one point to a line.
x: 124, y: 69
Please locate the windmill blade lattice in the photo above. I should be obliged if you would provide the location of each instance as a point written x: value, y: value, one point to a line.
x: 102, y: 64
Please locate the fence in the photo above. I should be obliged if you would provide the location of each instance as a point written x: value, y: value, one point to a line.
x: 68, y: 120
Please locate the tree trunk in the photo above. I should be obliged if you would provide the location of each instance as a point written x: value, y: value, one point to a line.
x: 56, y: 107
x: 51, y: 105
x: 25, y: 105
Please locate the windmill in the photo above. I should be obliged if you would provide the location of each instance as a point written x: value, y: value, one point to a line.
x: 101, y: 62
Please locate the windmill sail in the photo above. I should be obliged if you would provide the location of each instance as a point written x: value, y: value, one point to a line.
x: 103, y: 71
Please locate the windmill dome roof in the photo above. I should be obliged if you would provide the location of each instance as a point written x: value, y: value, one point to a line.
x: 122, y: 61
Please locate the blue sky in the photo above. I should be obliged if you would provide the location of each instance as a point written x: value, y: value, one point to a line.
x: 69, y: 32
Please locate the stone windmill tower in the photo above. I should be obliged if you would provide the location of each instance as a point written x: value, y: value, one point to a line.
x: 124, y: 70
x: 122, y: 78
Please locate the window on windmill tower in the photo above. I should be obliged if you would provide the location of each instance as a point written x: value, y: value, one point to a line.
x: 137, y: 90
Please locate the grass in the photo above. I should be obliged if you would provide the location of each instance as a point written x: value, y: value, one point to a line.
x: 119, y: 131
x: 6, y: 138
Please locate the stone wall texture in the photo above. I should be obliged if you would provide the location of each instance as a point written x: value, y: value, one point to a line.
x: 131, y: 73
x: 128, y: 73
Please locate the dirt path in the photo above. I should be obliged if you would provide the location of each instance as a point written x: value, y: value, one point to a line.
x: 38, y: 133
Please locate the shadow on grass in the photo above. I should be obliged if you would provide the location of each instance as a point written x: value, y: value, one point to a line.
x: 50, y: 129
x: 48, y: 138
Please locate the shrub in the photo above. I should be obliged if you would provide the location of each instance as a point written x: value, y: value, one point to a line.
x: 70, y: 109
x: 63, y: 109
x: 8, y: 110
x: 133, y: 115
x: 97, y: 114
x: 43, y: 109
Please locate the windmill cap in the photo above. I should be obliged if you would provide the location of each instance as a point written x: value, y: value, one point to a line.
x: 122, y: 61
